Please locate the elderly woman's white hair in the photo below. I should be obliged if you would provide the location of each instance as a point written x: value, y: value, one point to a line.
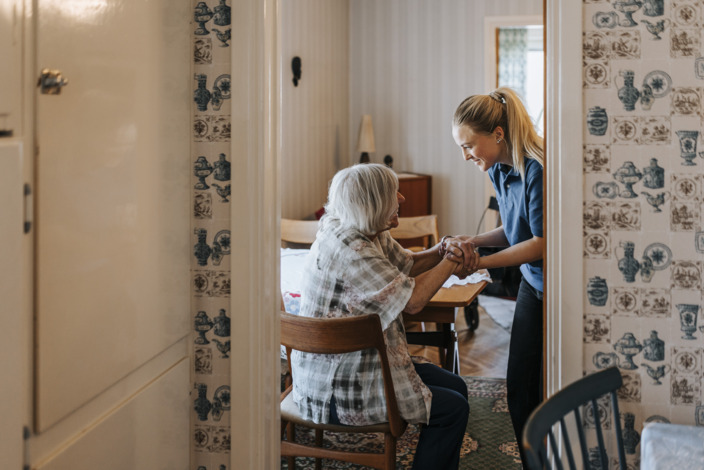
x: 363, y: 197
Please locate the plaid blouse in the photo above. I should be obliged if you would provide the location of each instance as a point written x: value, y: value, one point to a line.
x: 346, y: 274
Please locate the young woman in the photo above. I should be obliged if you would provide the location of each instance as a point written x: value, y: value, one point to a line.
x: 356, y: 268
x: 495, y: 133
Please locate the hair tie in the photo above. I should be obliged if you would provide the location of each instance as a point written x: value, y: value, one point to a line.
x: 497, y: 97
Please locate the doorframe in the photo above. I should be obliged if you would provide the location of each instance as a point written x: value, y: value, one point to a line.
x: 255, y: 219
x: 563, y: 140
x: 255, y: 227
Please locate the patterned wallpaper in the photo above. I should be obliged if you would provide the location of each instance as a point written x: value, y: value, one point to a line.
x: 210, y: 266
x: 643, y: 85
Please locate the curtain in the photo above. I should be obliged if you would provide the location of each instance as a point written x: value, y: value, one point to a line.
x: 513, y: 53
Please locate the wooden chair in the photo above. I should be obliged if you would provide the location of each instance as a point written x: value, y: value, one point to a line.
x: 417, y: 233
x: 298, y: 233
x: 554, y: 410
x: 337, y: 336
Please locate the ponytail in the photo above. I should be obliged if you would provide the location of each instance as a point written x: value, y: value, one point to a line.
x: 502, y: 107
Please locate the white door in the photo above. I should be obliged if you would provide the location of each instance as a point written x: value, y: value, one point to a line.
x: 112, y: 235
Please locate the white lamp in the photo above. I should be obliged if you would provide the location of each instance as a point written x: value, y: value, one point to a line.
x: 365, y: 143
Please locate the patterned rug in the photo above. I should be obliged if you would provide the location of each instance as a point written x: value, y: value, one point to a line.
x: 488, y: 443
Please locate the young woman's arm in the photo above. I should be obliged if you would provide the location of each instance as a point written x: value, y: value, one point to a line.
x: 458, y: 249
x: 524, y: 252
x: 495, y: 237
x: 430, y: 281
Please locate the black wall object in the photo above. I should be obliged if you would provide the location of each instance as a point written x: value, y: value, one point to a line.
x: 296, y: 69
x: 389, y: 161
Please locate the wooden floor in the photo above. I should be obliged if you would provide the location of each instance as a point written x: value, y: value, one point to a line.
x: 483, y: 352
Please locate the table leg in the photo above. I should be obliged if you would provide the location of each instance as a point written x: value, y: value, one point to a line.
x: 452, y: 357
x: 445, y: 338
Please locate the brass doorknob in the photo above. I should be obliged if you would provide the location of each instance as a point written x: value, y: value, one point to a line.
x: 51, y: 81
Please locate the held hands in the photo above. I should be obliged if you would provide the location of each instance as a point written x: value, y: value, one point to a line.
x: 461, y: 251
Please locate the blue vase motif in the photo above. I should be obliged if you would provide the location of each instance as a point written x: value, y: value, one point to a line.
x: 222, y: 14
x: 201, y: 95
x: 628, y: 175
x: 688, y: 146
x: 631, y: 437
x: 653, y: 7
x: 628, y: 7
x: 628, y: 264
x: 597, y: 291
x: 654, y: 347
x: 654, y: 175
x: 201, y: 404
x: 595, y: 459
x: 222, y: 169
x: 202, y: 324
x: 202, y: 169
x: 628, y: 93
x: 222, y: 324
x: 202, y: 250
x: 597, y: 120
x: 628, y: 346
x: 202, y: 15
x: 688, y: 319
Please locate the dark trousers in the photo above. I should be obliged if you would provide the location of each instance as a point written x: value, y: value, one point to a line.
x: 525, y: 359
x: 440, y: 440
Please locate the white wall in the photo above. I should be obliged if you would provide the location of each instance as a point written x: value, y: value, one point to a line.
x: 314, y: 133
x: 411, y: 63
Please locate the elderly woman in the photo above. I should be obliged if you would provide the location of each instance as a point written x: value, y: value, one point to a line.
x: 356, y: 268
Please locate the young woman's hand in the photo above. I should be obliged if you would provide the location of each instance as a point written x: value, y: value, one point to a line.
x: 470, y: 265
x: 458, y: 249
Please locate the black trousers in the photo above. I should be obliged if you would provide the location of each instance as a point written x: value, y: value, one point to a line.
x: 440, y: 441
x: 525, y: 359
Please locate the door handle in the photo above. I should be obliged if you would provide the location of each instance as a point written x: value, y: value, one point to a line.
x: 51, y: 81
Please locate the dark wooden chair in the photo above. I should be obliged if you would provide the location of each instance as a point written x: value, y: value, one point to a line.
x: 337, y: 336
x: 573, y: 399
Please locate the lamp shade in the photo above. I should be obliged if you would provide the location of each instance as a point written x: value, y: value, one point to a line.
x: 366, y: 135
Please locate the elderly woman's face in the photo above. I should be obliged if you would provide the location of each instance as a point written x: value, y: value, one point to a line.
x: 393, y: 221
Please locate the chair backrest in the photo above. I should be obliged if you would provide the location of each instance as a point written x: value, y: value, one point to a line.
x: 298, y: 233
x: 417, y: 233
x: 575, y: 398
x: 338, y: 336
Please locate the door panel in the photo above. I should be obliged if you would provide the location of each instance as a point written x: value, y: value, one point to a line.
x: 112, y: 194
x: 147, y: 431
x: 14, y: 347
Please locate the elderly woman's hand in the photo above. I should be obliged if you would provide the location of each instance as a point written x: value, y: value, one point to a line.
x: 459, y: 250
x: 461, y: 271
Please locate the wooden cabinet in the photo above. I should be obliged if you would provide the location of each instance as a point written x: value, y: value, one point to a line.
x: 417, y: 189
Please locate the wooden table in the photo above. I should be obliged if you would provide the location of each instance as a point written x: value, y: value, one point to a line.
x: 442, y: 310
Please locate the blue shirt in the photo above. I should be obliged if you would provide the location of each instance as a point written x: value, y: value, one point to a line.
x: 521, y: 209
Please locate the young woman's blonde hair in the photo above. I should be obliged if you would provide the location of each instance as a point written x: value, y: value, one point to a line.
x: 362, y: 197
x: 502, y: 107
